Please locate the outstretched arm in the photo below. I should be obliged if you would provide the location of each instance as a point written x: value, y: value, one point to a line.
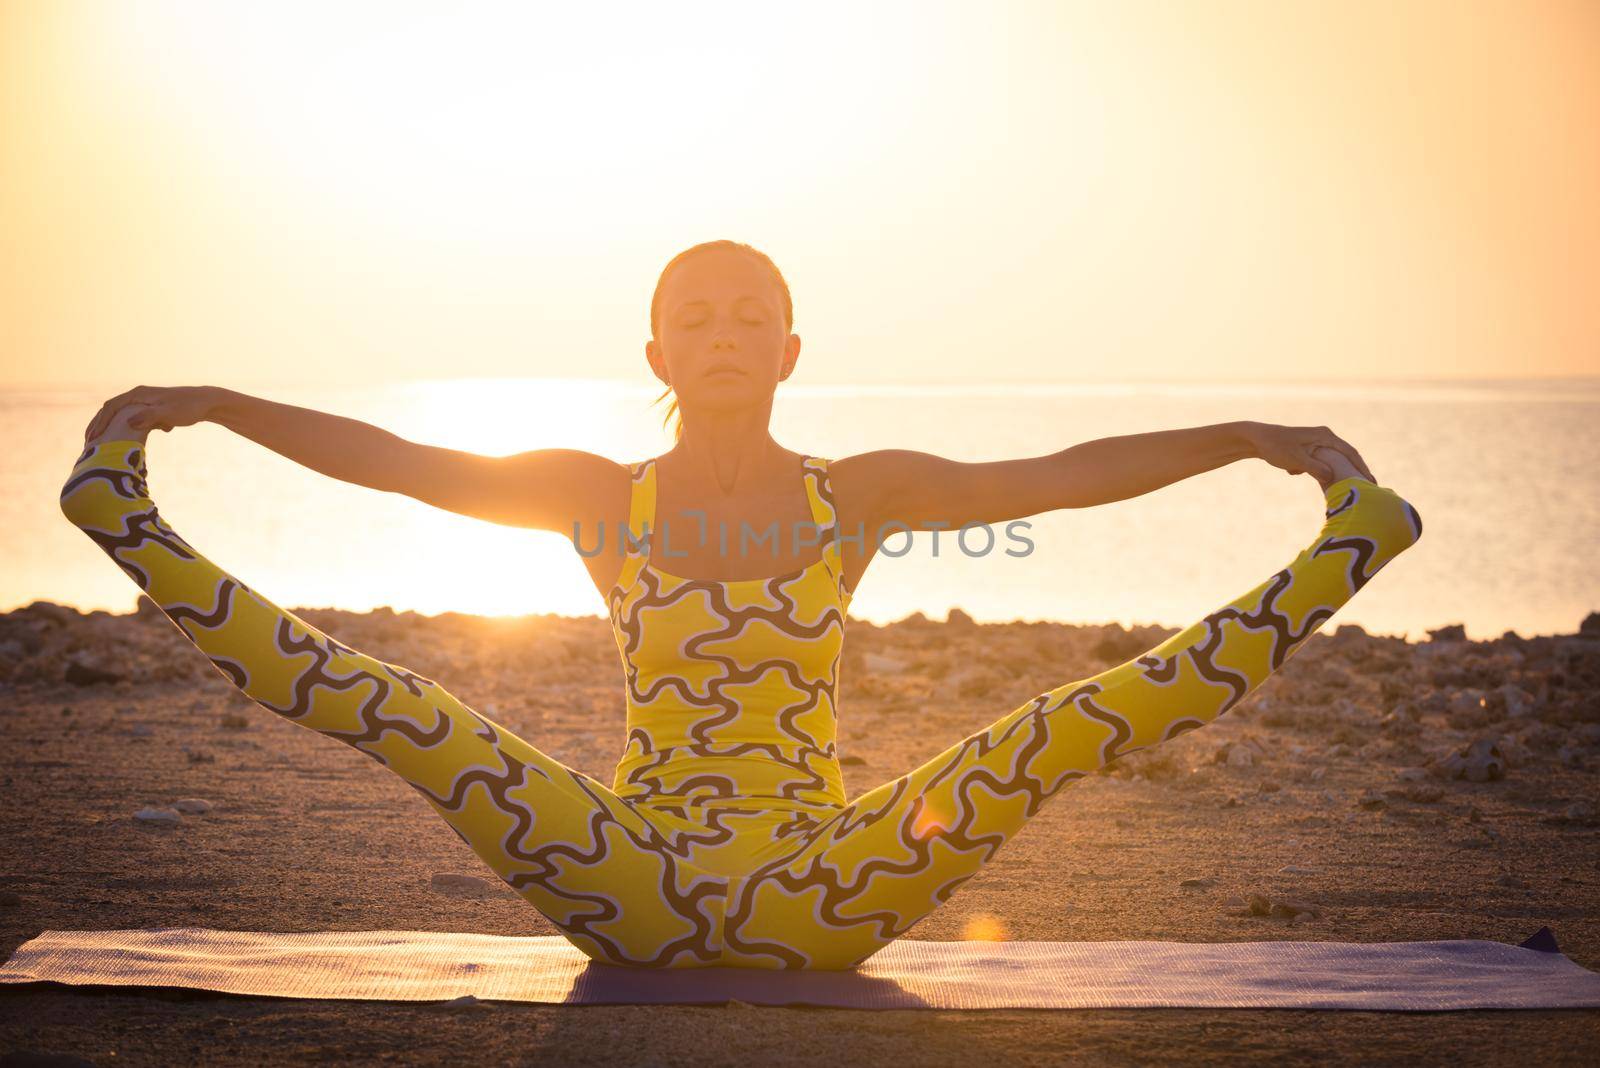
x: 546, y: 488
x: 925, y: 491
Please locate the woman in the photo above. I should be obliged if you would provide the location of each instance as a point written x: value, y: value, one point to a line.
x: 725, y: 837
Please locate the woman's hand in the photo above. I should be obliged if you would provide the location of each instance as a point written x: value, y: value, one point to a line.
x: 1291, y: 448
x: 160, y: 408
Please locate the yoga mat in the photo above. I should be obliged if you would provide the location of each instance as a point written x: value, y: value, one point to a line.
x: 440, y: 966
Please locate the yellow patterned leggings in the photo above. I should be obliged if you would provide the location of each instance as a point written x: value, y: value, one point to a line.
x: 610, y: 873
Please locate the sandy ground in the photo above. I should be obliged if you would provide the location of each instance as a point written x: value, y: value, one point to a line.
x: 1388, y: 791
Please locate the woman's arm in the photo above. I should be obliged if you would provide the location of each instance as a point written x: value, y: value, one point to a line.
x: 549, y: 489
x: 346, y: 449
x: 927, y: 492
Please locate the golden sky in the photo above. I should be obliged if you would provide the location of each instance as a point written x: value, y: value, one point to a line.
x: 231, y: 193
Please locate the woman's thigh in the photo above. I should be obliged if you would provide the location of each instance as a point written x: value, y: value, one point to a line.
x: 607, y: 873
x: 895, y: 854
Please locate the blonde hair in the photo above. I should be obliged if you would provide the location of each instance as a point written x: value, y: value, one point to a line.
x: 655, y: 309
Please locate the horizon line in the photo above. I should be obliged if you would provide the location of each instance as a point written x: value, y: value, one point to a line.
x: 872, y: 385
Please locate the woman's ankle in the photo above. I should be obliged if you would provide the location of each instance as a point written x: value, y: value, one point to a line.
x: 1340, y: 465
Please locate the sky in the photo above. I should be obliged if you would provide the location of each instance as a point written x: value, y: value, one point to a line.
x: 234, y: 194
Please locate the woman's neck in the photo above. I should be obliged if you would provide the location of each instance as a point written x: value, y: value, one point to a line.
x: 731, y: 455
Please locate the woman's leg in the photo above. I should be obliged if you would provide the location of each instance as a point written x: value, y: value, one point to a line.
x: 898, y: 852
x: 601, y: 870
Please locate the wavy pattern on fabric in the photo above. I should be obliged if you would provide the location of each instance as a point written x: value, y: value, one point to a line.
x: 726, y: 838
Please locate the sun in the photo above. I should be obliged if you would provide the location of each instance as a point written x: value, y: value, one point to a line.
x: 468, y: 120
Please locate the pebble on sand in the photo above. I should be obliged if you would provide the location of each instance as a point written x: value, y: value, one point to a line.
x: 1280, y: 908
x: 461, y: 885
x: 1480, y: 761
x: 157, y: 815
x: 194, y: 806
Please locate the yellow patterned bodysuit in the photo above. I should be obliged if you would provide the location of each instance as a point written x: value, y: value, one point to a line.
x: 726, y: 837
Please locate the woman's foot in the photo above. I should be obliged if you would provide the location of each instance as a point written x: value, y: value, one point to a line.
x: 121, y: 426
x: 1335, y: 461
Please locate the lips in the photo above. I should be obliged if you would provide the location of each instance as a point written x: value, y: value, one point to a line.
x: 723, y: 369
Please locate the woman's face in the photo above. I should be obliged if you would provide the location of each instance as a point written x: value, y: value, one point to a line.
x: 722, y: 341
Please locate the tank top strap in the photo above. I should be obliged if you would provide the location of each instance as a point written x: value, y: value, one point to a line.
x: 819, y: 493
x: 819, y: 488
x: 635, y: 540
x: 642, y: 505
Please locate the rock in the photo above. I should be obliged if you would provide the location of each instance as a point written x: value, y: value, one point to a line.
x: 200, y: 756
x: 157, y: 815
x: 1291, y: 909
x: 1481, y: 761
x: 1283, y: 908
x: 84, y: 675
x: 1372, y: 800
x: 1317, y: 773
x: 1240, y: 756
x: 1570, y: 757
x: 10, y: 900
x: 1467, y: 709
x: 957, y: 618
x: 1423, y: 793
x: 141, y: 730
x: 1590, y: 625
x: 852, y: 760
x: 1412, y: 774
x: 1511, y: 881
x: 465, y: 1001
x: 878, y: 664
x: 1455, y: 632
x: 1401, y: 721
x: 1199, y: 883
x: 1516, y: 754
x: 1432, y: 701
x: 461, y: 885
x: 50, y: 612
x: 193, y: 806
x: 1348, y: 633
x: 148, y: 611
x: 1117, y: 645
x: 234, y: 721
x: 1513, y: 701
x: 1338, y: 749
x: 1297, y: 869
x: 1580, y: 811
x: 1586, y: 734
